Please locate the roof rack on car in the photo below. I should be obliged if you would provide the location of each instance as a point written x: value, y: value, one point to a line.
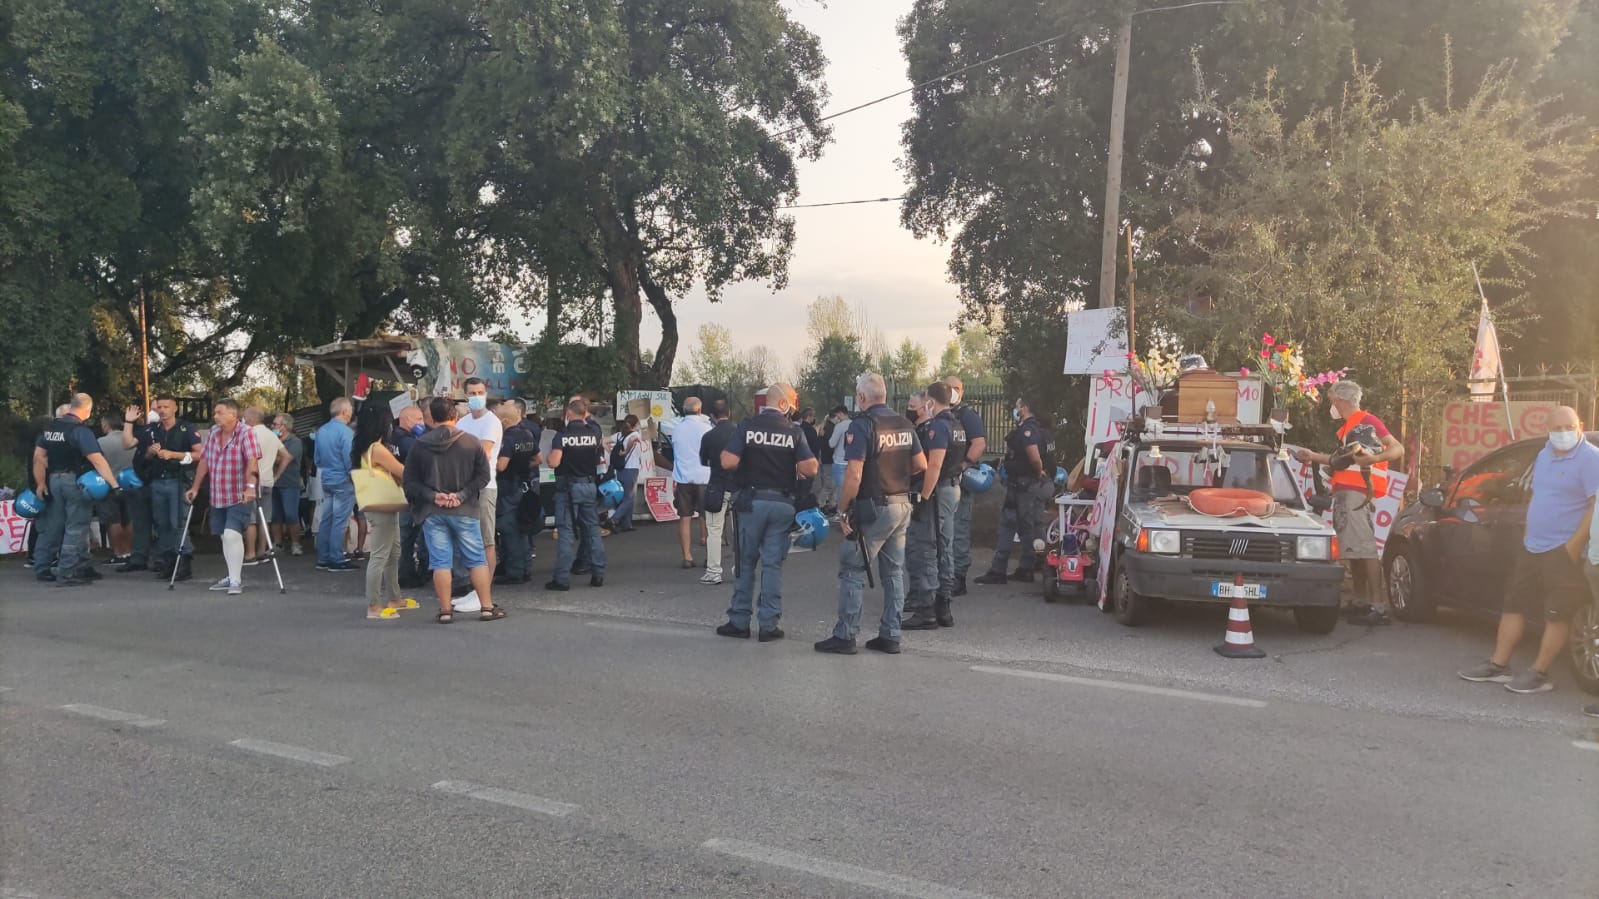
x: 1139, y: 430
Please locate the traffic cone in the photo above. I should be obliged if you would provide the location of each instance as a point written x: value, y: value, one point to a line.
x: 1239, y: 642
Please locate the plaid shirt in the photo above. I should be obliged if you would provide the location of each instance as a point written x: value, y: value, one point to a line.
x: 229, y: 463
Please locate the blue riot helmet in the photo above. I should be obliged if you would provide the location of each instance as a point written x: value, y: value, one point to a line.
x: 978, y: 479
x: 811, y: 530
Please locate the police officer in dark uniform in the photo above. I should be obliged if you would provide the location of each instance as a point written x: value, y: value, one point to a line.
x: 65, y: 450
x: 768, y: 455
x: 136, y: 427
x: 883, y: 454
x: 517, y: 467
x: 174, y: 450
x: 575, y: 455
x: 976, y: 440
x: 1027, y: 483
x: 931, y: 565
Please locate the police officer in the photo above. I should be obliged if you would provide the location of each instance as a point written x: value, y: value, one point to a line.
x: 883, y: 454
x: 174, y: 450
x: 768, y: 455
x: 65, y: 450
x: 975, y: 436
x: 517, y: 473
x: 575, y: 455
x: 1027, y: 482
x: 932, y: 528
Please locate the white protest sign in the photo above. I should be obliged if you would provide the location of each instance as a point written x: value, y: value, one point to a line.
x: 1112, y: 400
x: 13, y: 530
x: 1096, y: 341
x: 1387, y: 506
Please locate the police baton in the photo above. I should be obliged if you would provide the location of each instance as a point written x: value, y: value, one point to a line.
x: 860, y: 541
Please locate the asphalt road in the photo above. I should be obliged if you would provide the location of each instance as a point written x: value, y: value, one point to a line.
x: 604, y: 743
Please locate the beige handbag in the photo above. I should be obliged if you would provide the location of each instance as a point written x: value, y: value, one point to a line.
x: 375, y: 491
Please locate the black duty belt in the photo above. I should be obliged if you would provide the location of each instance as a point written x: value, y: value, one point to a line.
x: 52, y: 472
x: 575, y: 479
x: 772, y: 496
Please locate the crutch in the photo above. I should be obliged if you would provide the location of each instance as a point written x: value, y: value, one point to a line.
x: 182, y: 536
x: 272, y: 551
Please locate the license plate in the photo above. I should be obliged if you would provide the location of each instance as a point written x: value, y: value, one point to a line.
x: 1238, y: 591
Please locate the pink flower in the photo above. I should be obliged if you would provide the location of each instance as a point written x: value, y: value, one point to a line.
x: 1243, y: 372
x: 1274, y: 366
x: 1265, y: 354
x: 1268, y: 340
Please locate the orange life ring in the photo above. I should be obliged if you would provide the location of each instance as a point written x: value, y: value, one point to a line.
x: 1223, y: 502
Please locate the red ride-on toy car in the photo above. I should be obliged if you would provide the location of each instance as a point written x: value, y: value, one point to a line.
x: 1071, y: 552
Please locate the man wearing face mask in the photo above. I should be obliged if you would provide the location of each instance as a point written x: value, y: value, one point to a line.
x: 975, y: 437
x: 1026, y: 486
x: 1354, y: 515
x: 1548, y: 578
x: 490, y: 434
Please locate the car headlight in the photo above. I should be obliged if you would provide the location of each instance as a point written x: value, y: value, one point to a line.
x: 1314, y: 548
x: 1168, y: 543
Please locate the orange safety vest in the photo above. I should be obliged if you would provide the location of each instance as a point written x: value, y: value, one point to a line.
x: 1350, y: 478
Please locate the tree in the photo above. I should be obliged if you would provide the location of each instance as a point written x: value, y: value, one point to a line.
x: 970, y: 356
x: 906, y: 367
x: 833, y: 316
x: 1007, y: 159
x: 830, y: 378
x: 1353, y: 232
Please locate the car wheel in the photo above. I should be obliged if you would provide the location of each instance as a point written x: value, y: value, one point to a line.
x: 1316, y: 619
x: 1052, y: 592
x: 1585, y: 647
x: 1407, y: 588
x: 1130, y: 609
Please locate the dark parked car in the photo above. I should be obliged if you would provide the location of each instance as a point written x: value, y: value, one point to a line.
x: 1456, y: 547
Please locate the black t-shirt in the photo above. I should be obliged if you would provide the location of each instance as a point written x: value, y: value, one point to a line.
x: 180, y: 438
x: 711, y: 446
x: 579, y: 443
x: 518, y: 445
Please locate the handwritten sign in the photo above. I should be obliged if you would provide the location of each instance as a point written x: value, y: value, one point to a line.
x: 13, y: 530
x: 1472, y: 430
x: 1112, y: 400
x: 1096, y: 341
x: 658, y: 496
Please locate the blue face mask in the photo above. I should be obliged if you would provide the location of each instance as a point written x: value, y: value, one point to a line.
x: 418, y: 429
x: 477, y: 403
x: 1016, y: 415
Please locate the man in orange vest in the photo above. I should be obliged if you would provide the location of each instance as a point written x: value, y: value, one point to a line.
x: 1354, y: 512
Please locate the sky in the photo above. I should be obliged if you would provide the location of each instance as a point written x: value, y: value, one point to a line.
x: 859, y: 252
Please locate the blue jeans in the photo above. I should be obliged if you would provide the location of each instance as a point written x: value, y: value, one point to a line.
x: 622, y: 518
x: 64, y: 529
x: 450, y: 535
x: 169, y: 511
x: 338, y: 504
x: 885, y: 544
x: 576, y: 509
x: 516, y: 550
x: 763, y: 536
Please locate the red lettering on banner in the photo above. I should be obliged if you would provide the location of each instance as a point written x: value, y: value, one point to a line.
x: 1384, y: 518
x: 1472, y: 430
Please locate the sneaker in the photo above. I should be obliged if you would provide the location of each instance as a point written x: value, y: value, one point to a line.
x: 235, y: 588
x: 1373, y: 617
x: 710, y: 580
x: 1591, y: 710
x: 770, y: 634
x: 1530, y: 681
x: 993, y: 578
x: 340, y: 566
x: 837, y: 646
x: 883, y: 645
x: 728, y: 630
x: 224, y: 584
x: 1487, y: 673
x: 296, y: 550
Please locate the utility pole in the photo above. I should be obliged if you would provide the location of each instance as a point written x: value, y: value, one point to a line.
x: 1113, y: 167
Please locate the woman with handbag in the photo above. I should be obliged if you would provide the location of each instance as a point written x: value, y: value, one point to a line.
x: 376, y: 470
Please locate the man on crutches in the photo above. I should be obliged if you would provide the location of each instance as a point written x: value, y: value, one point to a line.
x: 231, y: 458
x: 932, y: 530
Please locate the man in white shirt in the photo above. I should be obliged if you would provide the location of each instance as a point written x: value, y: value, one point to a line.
x: 689, y: 475
x: 274, y: 458
x: 490, y: 433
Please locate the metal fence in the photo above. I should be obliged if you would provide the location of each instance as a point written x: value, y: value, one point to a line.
x: 991, y: 403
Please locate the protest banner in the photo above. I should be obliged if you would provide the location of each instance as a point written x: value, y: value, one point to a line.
x: 658, y: 497
x: 1386, y: 506
x: 13, y: 530
x: 1096, y: 340
x: 1472, y: 430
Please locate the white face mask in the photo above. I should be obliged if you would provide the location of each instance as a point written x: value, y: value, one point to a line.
x: 1336, y: 413
x: 1564, y: 441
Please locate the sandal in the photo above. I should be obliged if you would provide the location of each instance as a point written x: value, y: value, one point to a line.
x: 405, y: 605
x: 492, y: 613
x: 444, y: 618
x: 384, y: 615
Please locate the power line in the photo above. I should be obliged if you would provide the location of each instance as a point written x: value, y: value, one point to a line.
x: 843, y: 203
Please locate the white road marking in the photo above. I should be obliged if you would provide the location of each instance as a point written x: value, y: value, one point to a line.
x: 647, y: 628
x: 5, y: 689
x: 1584, y: 744
x: 294, y: 753
x: 821, y: 867
x: 1123, y: 685
x: 512, y: 798
x: 104, y: 714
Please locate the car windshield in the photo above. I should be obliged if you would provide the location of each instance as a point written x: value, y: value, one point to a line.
x: 1180, y: 470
